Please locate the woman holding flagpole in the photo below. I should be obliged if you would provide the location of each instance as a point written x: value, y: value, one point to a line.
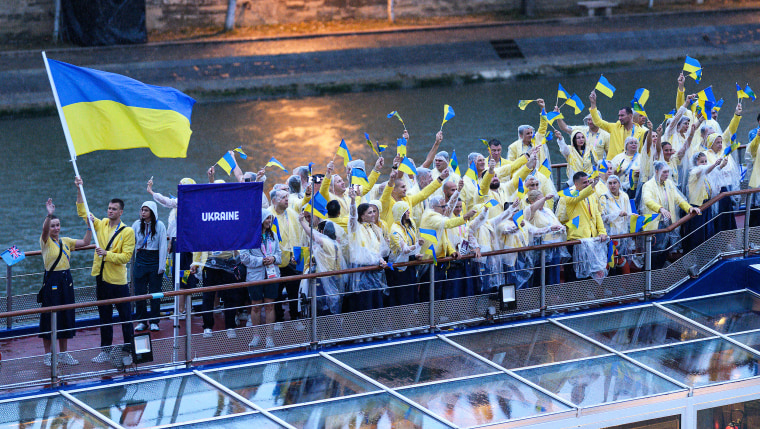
x: 58, y: 286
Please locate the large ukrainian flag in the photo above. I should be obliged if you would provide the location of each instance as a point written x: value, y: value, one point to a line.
x: 107, y: 111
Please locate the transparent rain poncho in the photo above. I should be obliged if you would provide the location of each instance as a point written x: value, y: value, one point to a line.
x: 590, y: 259
x: 328, y: 256
x: 367, y: 246
x: 612, y: 207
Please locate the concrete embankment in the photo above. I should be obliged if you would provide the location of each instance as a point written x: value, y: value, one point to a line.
x: 403, y: 58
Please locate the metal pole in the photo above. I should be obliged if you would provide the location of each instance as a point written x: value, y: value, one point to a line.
x: 648, y: 268
x: 313, y: 305
x: 53, y: 347
x: 188, y: 329
x: 748, y: 206
x: 175, y: 319
x: 543, y: 282
x: 8, y: 296
x: 57, y: 21
x: 432, y: 295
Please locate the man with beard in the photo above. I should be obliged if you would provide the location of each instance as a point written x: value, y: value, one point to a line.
x: 620, y: 130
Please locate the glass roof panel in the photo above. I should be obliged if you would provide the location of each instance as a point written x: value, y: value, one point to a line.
x: 701, y: 363
x: 373, y: 411
x: 46, y: 412
x: 598, y: 380
x: 528, y: 345
x: 727, y: 314
x: 162, y: 401
x: 291, y: 382
x: 483, y: 400
x: 635, y: 328
x: 414, y: 362
x: 751, y: 339
x: 244, y: 421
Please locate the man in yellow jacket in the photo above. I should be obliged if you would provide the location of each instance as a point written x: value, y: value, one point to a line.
x: 620, y: 130
x: 109, y: 267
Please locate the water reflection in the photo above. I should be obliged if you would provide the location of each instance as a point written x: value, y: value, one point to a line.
x: 726, y: 314
x: 52, y: 411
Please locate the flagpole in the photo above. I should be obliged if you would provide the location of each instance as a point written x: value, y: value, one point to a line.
x: 72, y: 152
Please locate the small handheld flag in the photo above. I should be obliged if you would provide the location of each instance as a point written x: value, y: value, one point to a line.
x: 448, y: 113
x: 553, y: 116
x: 518, y: 218
x: 381, y: 147
x: 740, y: 92
x: 603, y: 167
x: 611, y: 252
x: 431, y: 251
x: 13, y: 255
x: 401, y: 146
x: 605, y: 87
x: 641, y: 96
x: 239, y: 150
x: 344, y: 153
x: 275, y: 163
x: 693, y: 68
x: 520, y: 188
x: 545, y: 168
x: 706, y: 94
x: 369, y: 142
x: 396, y: 115
x: 749, y: 92
x: 576, y: 103
x: 718, y: 105
x: 732, y: 147
x: 576, y: 222
x: 407, y: 166
x: 429, y: 235
x: 472, y: 173
x: 561, y: 93
x: 522, y: 104
x: 639, y: 109
x: 492, y: 203
x: 359, y: 177
x: 276, y: 228
x: 569, y: 193
x: 670, y: 114
x: 454, y: 163
x: 319, y: 204
x: 639, y: 221
x: 227, y: 163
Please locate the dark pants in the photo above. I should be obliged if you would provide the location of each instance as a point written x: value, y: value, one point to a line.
x: 439, y: 283
x: 697, y: 230
x: 232, y: 298
x: 569, y: 267
x: 291, y: 289
x: 457, y: 285
x: 58, y: 289
x: 104, y: 290
x: 402, y: 287
x: 552, y: 267
x: 147, y: 280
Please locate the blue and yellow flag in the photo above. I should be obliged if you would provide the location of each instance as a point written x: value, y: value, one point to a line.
x: 227, y: 163
x: 401, y: 146
x: 472, y: 172
x: 641, y: 96
x: 239, y: 150
x: 603, y: 167
x: 718, y: 105
x: 407, y: 166
x: 605, y: 87
x: 429, y: 235
x: 732, y: 147
x: 639, y: 221
x: 359, y: 177
x: 448, y: 113
x: 520, y: 189
x: 740, y: 92
x: 518, y: 218
x: 275, y: 163
x: 396, y: 115
x: 611, y: 253
x: 706, y: 94
x: 522, y: 104
x: 298, y: 256
x: 670, y: 114
x: 545, y: 168
x: 562, y: 93
x: 491, y: 203
x: 553, y: 116
x: 594, y: 173
x: 570, y: 193
x: 107, y: 111
x: 749, y: 92
x: 576, y: 103
x: 319, y: 203
x: 693, y: 68
x: 576, y: 222
x: 431, y: 251
x: 454, y: 163
x: 381, y: 147
x: 276, y: 228
x: 344, y: 153
x: 369, y: 142
x: 638, y: 108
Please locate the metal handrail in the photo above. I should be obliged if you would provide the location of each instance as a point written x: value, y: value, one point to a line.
x: 217, y: 288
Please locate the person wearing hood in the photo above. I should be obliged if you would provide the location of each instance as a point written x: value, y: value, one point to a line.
x: 150, y: 262
x: 597, y: 139
x: 616, y: 213
x: 262, y: 263
x: 577, y: 154
x: 334, y: 186
x: 405, y: 245
x: 368, y: 247
x: 396, y: 190
x: 329, y: 240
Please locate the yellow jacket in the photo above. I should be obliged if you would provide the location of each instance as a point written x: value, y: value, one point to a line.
x: 586, y: 207
x: 440, y: 223
x: 118, y: 255
x: 470, y: 194
x: 617, y: 131
x: 290, y: 231
x: 655, y: 196
x: 387, y: 201
x: 754, y: 178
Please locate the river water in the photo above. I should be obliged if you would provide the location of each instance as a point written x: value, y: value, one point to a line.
x: 298, y: 131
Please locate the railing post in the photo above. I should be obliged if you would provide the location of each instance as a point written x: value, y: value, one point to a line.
x: 543, y: 282
x: 313, y: 305
x: 54, y: 348
x: 648, y: 268
x: 747, y: 212
x: 8, y: 296
x: 432, y: 296
x: 188, y: 330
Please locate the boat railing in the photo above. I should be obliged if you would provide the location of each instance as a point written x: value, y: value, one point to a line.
x: 25, y: 368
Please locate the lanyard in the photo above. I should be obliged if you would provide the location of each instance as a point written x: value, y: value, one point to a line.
x: 269, y: 249
x: 63, y: 248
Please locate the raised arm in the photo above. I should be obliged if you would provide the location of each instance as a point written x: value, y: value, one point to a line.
x: 598, y: 121
x: 433, y: 150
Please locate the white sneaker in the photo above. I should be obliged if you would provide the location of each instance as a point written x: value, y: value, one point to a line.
x: 101, y: 357
x: 269, y: 342
x: 231, y: 333
x: 255, y: 341
x: 208, y: 333
x: 46, y: 359
x: 154, y: 327
x: 66, y: 358
x: 141, y: 327
x: 183, y: 315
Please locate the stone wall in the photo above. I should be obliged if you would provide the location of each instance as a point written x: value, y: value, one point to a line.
x: 34, y: 18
